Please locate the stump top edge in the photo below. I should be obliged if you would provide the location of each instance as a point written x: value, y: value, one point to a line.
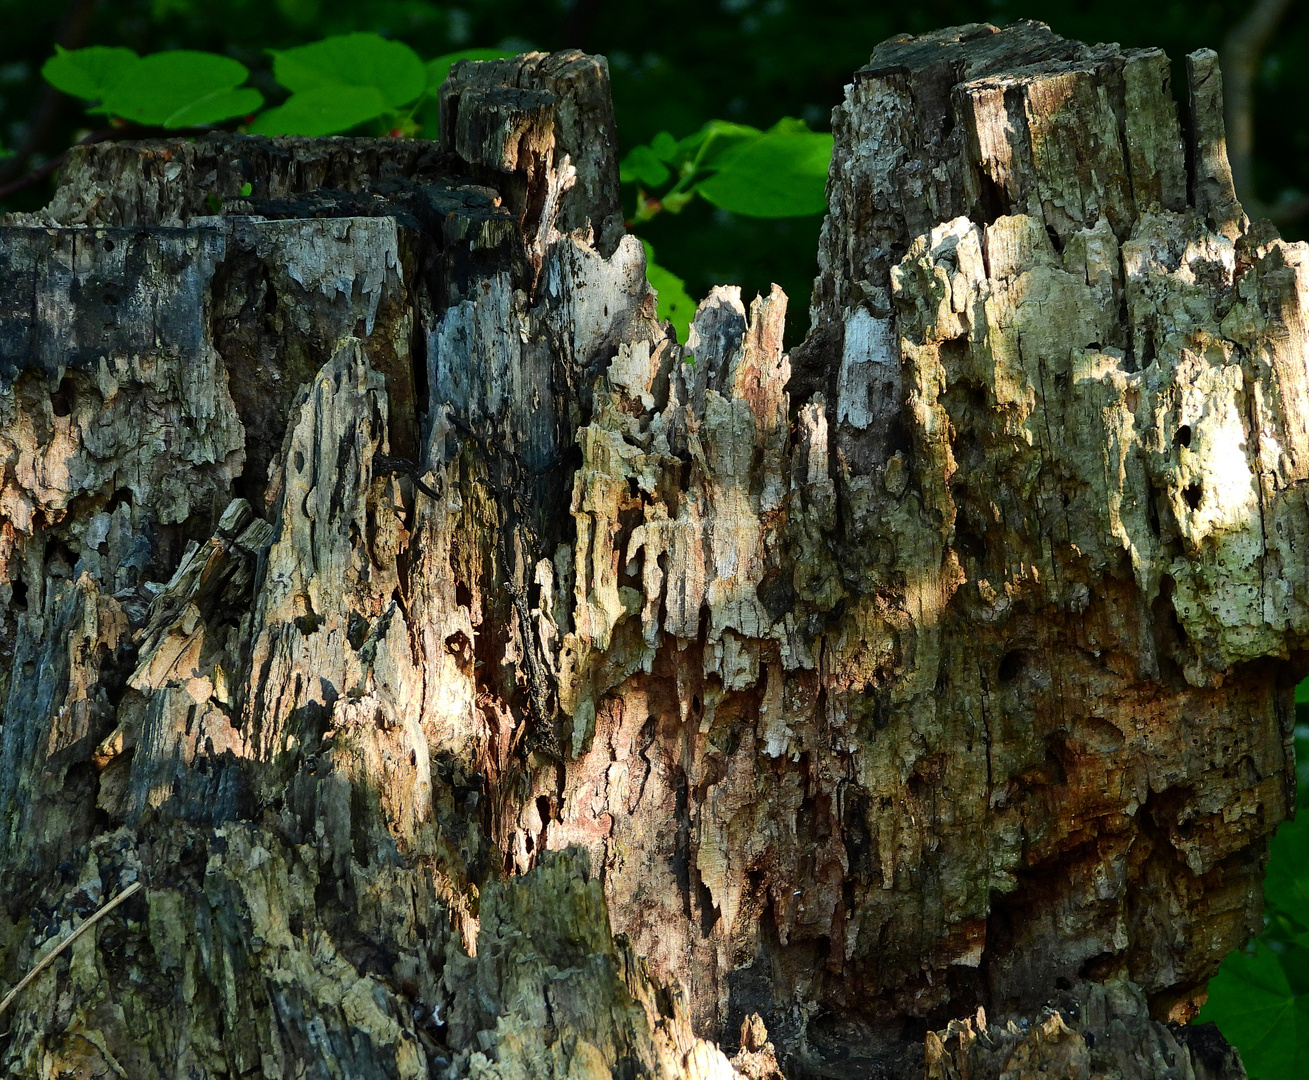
x: 979, y: 50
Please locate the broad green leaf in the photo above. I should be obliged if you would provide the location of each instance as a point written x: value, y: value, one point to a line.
x: 664, y: 147
x: 705, y: 149
x: 1294, y: 958
x: 87, y: 73
x: 789, y: 125
x: 353, y: 60
x: 1286, y: 887
x: 712, y: 141
x: 163, y: 85
x: 216, y: 107
x: 1301, y: 691
x: 643, y: 165
x: 783, y: 175
x: 674, y: 303
x: 1254, y: 1006
x: 439, y: 68
x: 325, y: 110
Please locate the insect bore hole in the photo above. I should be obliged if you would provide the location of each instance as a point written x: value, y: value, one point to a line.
x: 1011, y: 666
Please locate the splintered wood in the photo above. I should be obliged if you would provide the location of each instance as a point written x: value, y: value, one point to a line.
x: 366, y: 546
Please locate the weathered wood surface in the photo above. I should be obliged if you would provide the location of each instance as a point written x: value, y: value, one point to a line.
x: 369, y: 541
x: 1097, y: 1030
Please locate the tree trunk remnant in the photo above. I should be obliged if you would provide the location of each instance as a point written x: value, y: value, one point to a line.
x: 483, y: 684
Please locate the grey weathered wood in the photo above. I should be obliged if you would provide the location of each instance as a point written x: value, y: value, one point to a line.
x: 489, y: 112
x: 1098, y: 1029
x: 369, y: 541
x: 1031, y: 244
x: 1212, y: 191
x: 242, y: 654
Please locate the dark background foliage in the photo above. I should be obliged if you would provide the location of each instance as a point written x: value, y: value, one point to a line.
x: 674, y: 63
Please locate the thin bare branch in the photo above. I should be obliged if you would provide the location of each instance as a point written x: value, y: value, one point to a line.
x: 53, y: 954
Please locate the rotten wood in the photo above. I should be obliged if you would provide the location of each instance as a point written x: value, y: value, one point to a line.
x: 484, y: 683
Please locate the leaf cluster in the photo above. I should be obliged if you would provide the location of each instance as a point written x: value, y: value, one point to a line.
x: 335, y: 85
x: 777, y: 173
x: 781, y: 172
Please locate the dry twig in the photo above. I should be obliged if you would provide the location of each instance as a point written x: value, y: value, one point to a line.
x: 50, y: 957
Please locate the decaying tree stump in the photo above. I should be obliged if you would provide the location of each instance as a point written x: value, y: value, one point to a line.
x: 483, y: 684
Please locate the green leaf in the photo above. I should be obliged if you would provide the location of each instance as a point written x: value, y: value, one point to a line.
x: 216, y: 107
x: 1254, y: 1006
x: 714, y: 140
x: 643, y: 165
x: 87, y: 73
x: 1286, y: 887
x: 781, y: 175
x: 674, y: 303
x: 1301, y: 691
x: 165, y: 85
x: 438, y: 69
x: 325, y: 110
x: 353, y: 60
x: 664, y: 147
x: 789, y: 125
